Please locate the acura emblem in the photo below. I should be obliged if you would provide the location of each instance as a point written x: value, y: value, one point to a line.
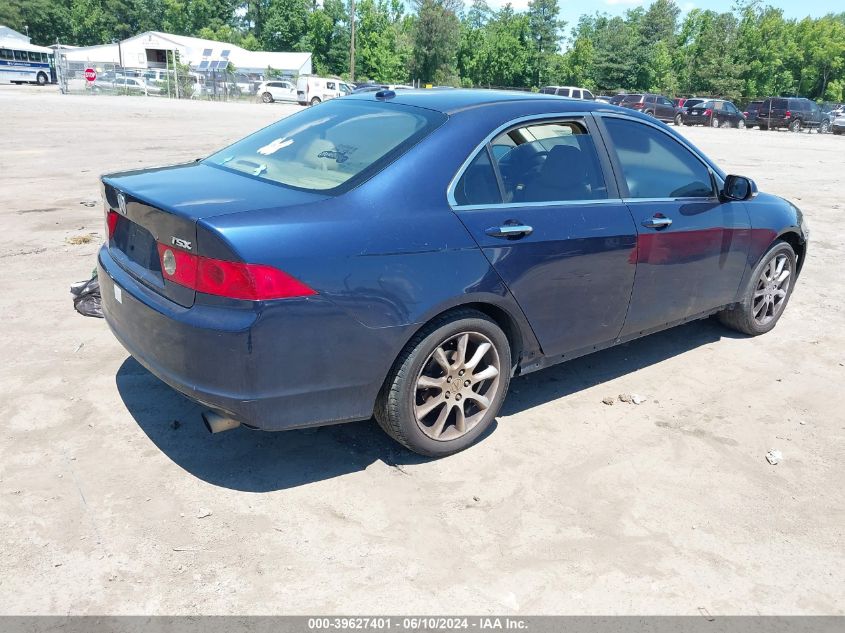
x: 121, y: 202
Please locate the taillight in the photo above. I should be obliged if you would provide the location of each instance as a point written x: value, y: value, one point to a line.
x: 111, y: 222
x: 235, y: 280
x: 708, y: 112
x: 787, y: 115
x: 638, y: 105
x: 745, y: 114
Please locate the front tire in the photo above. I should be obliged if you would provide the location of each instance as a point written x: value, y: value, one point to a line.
x: 679, y: 120
x: 714, y: 122
x: 267, y: 97
x: 824, y: 127
x: 767, y: 293
x: 740, y: 125
x: 447, y: 385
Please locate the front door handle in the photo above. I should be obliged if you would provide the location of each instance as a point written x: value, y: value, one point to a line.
x: 510, y: 230
x: 657, y: 222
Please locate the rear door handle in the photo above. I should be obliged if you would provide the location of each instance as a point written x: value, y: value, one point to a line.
x: 510, y: 230
x: 657, y: 222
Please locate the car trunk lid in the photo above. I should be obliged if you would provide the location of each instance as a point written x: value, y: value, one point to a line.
x: 162, y: 206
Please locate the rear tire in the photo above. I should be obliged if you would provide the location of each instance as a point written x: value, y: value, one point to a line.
x: 766, y: 295
x: 433, y: 401
x: 267, y: 97
x: 714, y: 122
x: 41, y: 79
x: 315, y: 101
x: 740, y: 125
x: 795, y: 126
x: 824, y: 127
x: 679, y: 120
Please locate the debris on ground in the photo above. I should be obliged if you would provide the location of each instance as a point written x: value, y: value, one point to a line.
x: 625, y: 397
x: 78, y: 240
x: 89, y: 203
x: 636, y: 399
x: 609, y: 400
x: 203, y: 512
x: 86, y: 297
x: 774, y: 456
x: 801, y: 422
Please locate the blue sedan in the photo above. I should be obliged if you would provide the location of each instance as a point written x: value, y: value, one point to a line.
x: 403, y: 255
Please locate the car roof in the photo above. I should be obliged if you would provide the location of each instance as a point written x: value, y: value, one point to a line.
x: 449, y: 101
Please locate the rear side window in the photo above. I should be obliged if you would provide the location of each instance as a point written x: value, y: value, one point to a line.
x: 478, y: 185
x: 654, y: 165
x: 329, y: 148
x: 5, y: 54
x: 628, y: 99
x: 542, y: 162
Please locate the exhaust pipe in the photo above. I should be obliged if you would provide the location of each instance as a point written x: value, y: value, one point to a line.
x: 216, y: 423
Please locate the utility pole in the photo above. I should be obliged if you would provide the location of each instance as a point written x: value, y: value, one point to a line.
x: 352, y: 46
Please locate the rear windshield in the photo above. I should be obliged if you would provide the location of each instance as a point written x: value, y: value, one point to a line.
x: 632, y: 99
x: 773, y: 103
x: 331, y: 147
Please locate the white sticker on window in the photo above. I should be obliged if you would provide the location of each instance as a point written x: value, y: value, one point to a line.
x: 275, y: 146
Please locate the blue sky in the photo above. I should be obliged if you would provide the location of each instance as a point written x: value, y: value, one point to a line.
x: 571, y: 10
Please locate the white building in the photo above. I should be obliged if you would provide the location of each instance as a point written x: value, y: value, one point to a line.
x: 150, y: 49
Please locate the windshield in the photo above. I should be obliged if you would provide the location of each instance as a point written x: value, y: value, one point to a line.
x: 330, y: 147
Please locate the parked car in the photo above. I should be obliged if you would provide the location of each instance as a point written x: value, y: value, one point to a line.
x: 311, y: 90
x: 714, y: 113
x: 125, y: 85
x: 683, y: 107
x: 838, y: 124
x: 603, y: 98
x: 573, y: 92
x: 277, y: 90
x: 377, y: 87
x: 403, y: 256
x: 750, y: 113
x: 656, y: 106
x: 793, y: 113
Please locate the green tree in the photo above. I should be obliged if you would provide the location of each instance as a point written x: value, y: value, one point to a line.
x: 545, y: 33
x: 285, y: 26
x: 436, y: 38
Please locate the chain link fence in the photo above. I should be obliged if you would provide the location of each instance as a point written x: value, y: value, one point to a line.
x: 169, y: 83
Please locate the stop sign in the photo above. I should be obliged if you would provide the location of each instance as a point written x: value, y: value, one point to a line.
x: 90, y: 74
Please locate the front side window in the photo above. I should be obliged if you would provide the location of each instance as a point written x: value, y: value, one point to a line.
x: 330, y: 85
x: 655, y: 165
x: 330, y: 148
x: 563, y: 92
x: 589, y: 95
x: 541, y: 162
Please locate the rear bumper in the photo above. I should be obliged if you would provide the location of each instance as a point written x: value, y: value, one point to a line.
x: 273, y: 366
x: 696, y: 120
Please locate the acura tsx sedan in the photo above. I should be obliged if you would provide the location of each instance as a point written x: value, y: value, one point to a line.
x: 403, y: 254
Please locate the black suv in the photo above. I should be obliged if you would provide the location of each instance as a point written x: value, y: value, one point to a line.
x: 793, y: 113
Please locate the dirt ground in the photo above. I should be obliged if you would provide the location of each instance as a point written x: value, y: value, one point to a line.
x: 568, y: 506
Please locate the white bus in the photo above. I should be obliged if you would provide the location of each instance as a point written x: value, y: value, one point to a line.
x: 21, y: 62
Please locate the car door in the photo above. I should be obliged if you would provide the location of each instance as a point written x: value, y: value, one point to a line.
x: 540, y: 201
x: 665, y: 109
x: 691, y: 246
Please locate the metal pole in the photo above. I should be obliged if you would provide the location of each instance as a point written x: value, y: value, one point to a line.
x: 352, y: 46
x: 176, y: 73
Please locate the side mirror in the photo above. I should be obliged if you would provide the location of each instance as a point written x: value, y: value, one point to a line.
x: 739, y: 188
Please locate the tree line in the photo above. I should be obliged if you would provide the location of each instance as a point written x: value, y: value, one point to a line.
x: 750, y: 51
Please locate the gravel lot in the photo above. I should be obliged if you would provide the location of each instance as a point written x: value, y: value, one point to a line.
x: 568, y: 506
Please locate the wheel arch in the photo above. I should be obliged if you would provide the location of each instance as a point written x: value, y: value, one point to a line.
x: 523, y: 343
x: 798, y: 245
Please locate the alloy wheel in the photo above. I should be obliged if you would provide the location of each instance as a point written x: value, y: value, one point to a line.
x: 771, y: 289
x: 456, y: 386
